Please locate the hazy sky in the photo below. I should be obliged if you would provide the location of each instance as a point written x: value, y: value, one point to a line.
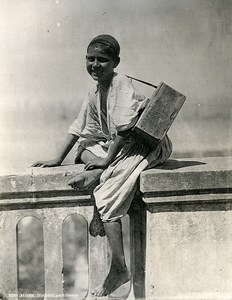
x: 185, y: 43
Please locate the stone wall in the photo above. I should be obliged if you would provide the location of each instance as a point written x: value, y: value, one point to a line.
x: 180, y: 228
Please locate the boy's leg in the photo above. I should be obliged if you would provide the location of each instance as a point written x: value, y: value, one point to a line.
x: 88, y: 178
x: 85, y: 180
x: 119, y: 273
x: 86, y: 156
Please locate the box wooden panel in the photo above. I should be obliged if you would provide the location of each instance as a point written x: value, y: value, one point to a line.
x: 159, y: 114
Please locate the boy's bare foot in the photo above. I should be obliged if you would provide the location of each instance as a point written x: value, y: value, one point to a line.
x: 113, y: 281
x: 85, y: 180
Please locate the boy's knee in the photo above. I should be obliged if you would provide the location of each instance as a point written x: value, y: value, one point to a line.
x: 86, y: 156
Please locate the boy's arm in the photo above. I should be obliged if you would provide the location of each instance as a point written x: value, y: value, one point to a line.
x: 114, y: 149
x: 68, y: 144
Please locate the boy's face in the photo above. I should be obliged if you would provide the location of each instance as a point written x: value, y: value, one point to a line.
x: 99, y: 64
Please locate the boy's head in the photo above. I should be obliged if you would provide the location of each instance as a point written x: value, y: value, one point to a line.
x: 108, y: 43
x: 102, y: 57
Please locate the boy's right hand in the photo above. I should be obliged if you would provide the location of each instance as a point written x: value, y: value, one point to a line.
x: 47, y: 164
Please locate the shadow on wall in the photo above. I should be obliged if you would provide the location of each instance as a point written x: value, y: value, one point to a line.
x: 173, y: 164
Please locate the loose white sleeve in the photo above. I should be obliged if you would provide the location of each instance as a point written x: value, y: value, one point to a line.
x: 80, y: 122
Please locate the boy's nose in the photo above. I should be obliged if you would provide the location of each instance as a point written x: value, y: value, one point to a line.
x: 96, y: 63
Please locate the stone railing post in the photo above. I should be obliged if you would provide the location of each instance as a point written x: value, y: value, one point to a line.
x: 137, y: 215
x: 188, y: 229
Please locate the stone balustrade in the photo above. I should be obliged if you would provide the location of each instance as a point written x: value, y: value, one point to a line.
x: 45, y: 195
x: 180, y: 228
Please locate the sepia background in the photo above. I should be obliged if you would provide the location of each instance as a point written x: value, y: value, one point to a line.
x: 43, y: 81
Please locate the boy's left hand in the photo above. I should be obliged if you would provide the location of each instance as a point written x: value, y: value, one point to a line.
x: 96, y: 163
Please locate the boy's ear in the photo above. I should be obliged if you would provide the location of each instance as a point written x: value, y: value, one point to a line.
x: 117, y: 61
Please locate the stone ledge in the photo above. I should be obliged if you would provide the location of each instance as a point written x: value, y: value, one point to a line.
x: 38, y: 180
x: 208, y: 174
x: 175, y: 177
x: 41, y: 188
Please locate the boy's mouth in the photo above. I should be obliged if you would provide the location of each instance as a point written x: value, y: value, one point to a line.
x: 96, y: 73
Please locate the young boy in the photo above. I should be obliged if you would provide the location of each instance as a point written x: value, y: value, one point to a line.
x: 109, y: 149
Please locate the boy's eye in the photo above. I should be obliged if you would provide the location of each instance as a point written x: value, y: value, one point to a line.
x: 90, y: 58
x: 99, y: 59
x: 102, y: 59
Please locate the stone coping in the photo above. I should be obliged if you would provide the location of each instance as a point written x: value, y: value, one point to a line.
x: 31, y: 180
x: 175, y: 176
x: 204, y: 174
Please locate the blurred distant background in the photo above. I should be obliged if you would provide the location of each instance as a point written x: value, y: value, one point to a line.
x: 185, y: 43
x: 43, y: 81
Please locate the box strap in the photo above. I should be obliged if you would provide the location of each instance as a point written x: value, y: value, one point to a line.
x: 142, y: 81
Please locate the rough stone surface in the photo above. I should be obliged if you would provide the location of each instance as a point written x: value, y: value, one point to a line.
x: 188, y: 255
x: 41, y: 187
x: 189, y: 229
x: 188, y: 174
x: 38, y: 179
